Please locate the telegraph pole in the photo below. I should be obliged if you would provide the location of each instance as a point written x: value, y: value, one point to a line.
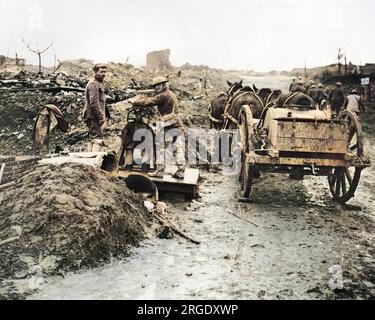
x: 339, y: 56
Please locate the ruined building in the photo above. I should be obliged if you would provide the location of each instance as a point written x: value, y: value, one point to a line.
x: 6, y: 61
x: 158, y: 60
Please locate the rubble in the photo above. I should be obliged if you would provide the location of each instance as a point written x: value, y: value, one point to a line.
x: 78, y: 217
x: 23, y: 92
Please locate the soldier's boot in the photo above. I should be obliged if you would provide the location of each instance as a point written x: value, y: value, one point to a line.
x: 89, y: 146
x: 179, y: 174
x: 159, y: 172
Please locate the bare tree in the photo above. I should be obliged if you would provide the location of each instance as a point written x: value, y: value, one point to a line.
x: 38, y: 52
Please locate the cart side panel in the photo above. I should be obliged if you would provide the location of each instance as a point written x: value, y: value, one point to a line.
x: 311, y: 136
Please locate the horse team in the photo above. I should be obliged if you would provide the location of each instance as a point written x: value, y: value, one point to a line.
x: 225, y: 108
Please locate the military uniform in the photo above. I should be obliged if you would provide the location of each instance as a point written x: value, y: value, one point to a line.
x: 167, y: 105
x: 336, y: 99
x: 299, y: 88
x: 95, y: 111
x: 353, y: 103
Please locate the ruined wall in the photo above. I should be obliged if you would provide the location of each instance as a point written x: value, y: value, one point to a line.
x: 16, y: 167
x: 158, y: 60
x: 6, y: 61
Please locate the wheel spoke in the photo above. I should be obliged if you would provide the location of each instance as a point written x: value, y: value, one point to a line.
x: 348, y: 176
x: 343, y: 184
x: 333, y: 179
x: 338, y: 182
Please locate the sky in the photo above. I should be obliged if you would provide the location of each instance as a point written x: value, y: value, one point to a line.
x: 260, y: 35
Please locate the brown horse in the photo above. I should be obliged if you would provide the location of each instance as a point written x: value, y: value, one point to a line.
x: 216, y: 111
x: 244, y: 96
x: 217, y: 105
x: 273, y: 97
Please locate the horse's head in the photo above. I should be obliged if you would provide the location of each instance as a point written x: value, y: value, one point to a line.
x: 264, y: 93
x: 233, y: 87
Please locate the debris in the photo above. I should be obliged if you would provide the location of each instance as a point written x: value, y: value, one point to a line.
x: 166, y: 233
x: 174, y: 228
x: 230, y: 212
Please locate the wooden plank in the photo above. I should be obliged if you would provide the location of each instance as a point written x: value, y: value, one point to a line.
x: 2, y: 171
x: 286, y: 161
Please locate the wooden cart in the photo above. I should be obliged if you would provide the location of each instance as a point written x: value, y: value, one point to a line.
x: 306, y: 141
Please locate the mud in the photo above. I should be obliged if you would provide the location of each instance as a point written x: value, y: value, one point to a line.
x: 62, y: 219
x: 292, y: 242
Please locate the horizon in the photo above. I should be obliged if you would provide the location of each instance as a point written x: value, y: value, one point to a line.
x: 220, y: 36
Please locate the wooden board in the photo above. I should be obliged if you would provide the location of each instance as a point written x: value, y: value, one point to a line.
x: 311, y: 136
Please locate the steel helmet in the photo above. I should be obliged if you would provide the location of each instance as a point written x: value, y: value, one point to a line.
x: 158, y: 80
x: 354, y: 91
x: 320, y: 85
x: 338, y: 84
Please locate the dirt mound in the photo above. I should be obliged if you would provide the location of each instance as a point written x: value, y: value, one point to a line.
x: 66, y: 218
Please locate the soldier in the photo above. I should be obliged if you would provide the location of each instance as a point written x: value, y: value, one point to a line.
x: 166, y: 102
x: 322, y: 95
x: 95, y: 109
x: 311, y: 83
x: 313, y: 92
x: 299, y: 87
x: 291, y: 86
x: 336, y: 98
x: 354, y: 103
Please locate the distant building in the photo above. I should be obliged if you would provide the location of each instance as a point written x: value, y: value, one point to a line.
x: 367, y: 69
x: 158, y: 60
x: 6, y: 61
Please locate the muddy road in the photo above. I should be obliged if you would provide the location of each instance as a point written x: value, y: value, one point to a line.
x: 292, y: 242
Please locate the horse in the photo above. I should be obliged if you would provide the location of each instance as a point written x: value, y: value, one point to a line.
x: 268, y: 95
x: 244, y: 96
x: 216, y: 110
x: 273, y: 97
x: 217, y: 105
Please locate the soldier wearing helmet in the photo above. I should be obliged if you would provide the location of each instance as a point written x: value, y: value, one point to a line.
x: 354, y: 103
x: 310, y: 84
x: 292, y: 84
x: 336, y: 98
x: 166, y: 102
x: 322, y: 95
x: 313, y: 93
x: 299, y: 87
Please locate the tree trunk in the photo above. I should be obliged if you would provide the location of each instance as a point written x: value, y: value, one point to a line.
x: 40, y: 62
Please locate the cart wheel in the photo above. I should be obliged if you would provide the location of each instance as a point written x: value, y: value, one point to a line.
x: 245, y: 125
x: 245, y: 122
x: 246, y: 179
x: 343, y: 181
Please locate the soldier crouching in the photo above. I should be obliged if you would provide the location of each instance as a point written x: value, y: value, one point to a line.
x: 173, y: 146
